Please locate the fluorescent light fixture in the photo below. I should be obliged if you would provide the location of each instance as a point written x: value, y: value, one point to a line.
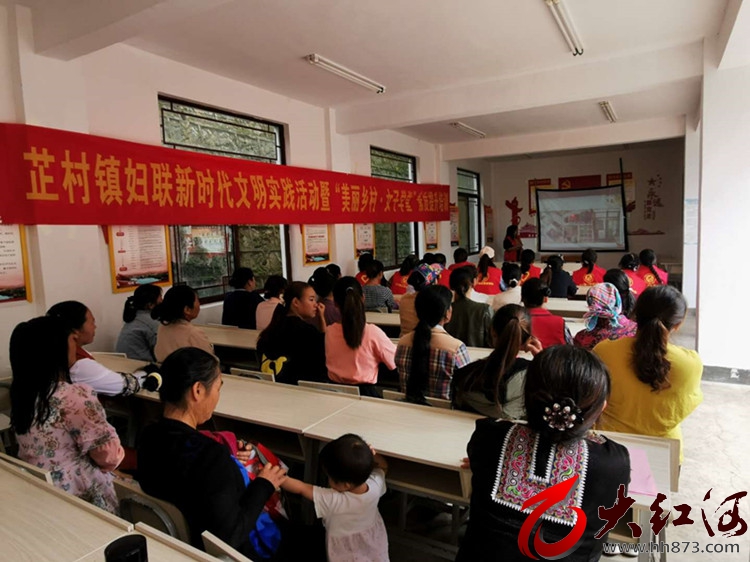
x: 468, y: 130
x: 344, y: 72
x: 609, y: 113
x: 568, y: 30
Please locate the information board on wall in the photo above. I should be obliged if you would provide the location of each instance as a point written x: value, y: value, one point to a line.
x: 139, y: 255
x: 14, y: 272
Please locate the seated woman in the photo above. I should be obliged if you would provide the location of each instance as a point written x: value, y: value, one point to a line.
x: 354, y: 348
x: 488, y: 280
x: 377, y: 297
x: 470, y: 321
x: 604, y: 319
x: 548, y: 328
x: 138, y: 336
x: 291, y: 348
x: 566, y: 390
x: 322, y: 281
x: 179, y: 464
x: 493, y: 386
x: 60, y: 426
x: 398, y: 282
x: 619, y: 279
x: 629, y: 264
x: 648, y: 271
x: 79, y: 321
x: 558, y: 280
x: 240, y: 305
x: 655, y: 384
x: 512, y: 281
x: 423, y: 276
x: 590, y: 274
x: 273, y: 290
x: 176, y: 312
x: 528, y: 269
x: 428, y: 357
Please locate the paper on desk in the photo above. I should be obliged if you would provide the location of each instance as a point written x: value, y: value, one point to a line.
x: 641, y: 479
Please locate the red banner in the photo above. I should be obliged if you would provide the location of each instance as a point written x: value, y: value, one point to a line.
x: 579, y: 182
x: 49, y: 176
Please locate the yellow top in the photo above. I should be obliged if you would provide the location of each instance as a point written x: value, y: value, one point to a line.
x: 634, y: 408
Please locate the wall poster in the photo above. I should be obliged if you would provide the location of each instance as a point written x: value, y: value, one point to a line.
x: 545, y: 183
x: 15, y: 283
x: 629, y: 183
x: 139, y: 255
x: 431, y: 235
x: 316, y: 243
x: 364, y: 239
x: 455, y: 232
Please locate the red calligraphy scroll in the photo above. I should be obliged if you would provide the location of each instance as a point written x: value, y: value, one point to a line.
x: 49, y: 176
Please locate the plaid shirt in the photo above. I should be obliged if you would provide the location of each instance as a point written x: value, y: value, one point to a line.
x: 446, y: 355
x: 377, y: 296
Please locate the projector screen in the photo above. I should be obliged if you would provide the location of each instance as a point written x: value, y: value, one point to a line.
x: 576, y: 219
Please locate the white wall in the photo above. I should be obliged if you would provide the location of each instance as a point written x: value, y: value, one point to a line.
x: 724, y: 209
x: 692, y: 195
x: 510, y: 179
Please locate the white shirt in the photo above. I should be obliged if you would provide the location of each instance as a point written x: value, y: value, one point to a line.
x: 476, y: 296
x: 356, y: 517
x: 511, y: 296
x: 97, y: 376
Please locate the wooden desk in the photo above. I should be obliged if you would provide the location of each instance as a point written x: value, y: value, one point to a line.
x: 229, y: 336
x: 161, y: 548
x: 384, y: 318
x: 565, y: 307
x: 405, y: 432
x: 42, y: 523
x: 117, y: 363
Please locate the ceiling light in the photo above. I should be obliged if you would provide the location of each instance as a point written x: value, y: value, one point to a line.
x: 344, y: 72
x: 609, y: 113
x: 468, y: 130
x: 568, y: 30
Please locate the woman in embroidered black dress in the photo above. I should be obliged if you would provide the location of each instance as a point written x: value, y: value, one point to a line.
x: 566, y: 389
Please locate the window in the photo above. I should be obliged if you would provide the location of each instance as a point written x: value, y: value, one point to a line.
x: 203, y: 255
x: 469, y: 231
x: 394, y: 241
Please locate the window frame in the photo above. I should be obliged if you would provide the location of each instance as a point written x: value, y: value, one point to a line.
x: 475, y: 196
x: 231, y: 231
x: 414, y: 225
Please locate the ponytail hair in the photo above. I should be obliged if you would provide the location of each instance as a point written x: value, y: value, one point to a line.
x: 511, y: 325
x: 588, y: 259
x: 143, y: 297
x: 629, y: 261
x: 647, y: 258
x: 485, y: 263
x: 527, y: 258
x: 432, y: 304
x: 511, y: 274
x: 658, y: 311
x: 461, y: 279
x: 621, y: 281
x: 347, y: 294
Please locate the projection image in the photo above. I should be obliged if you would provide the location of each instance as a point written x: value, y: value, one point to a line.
x: 576, y: 219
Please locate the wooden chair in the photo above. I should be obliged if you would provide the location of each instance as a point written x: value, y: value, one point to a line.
x: 26, y: 467
x: 331, y: 387
x: 270, y: 377
x: 6, y: 435
x: 221, y: 550
x: 401, y: 397
x: 137, y: 506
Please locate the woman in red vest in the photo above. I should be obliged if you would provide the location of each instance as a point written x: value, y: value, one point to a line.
x: 590, y: 274
x: 512, y: 244
x: 528, y: 269
x: 545, y: 326
x: 488, y: 281
x: 648, y: 271
x: 629, y: 264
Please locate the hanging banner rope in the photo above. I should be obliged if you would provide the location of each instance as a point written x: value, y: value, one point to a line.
x: 48, y: 176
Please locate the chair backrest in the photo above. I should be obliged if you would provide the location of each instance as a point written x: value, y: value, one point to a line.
x: 26, y: 467
x: 112, y: 353
x: 137, y: 506
x: 330, y: 387
x: 401, y: 397
x: 221, y: 550
x: 270, y: 377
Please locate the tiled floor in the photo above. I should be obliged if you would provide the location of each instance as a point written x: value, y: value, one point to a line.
x: 717, y: 457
